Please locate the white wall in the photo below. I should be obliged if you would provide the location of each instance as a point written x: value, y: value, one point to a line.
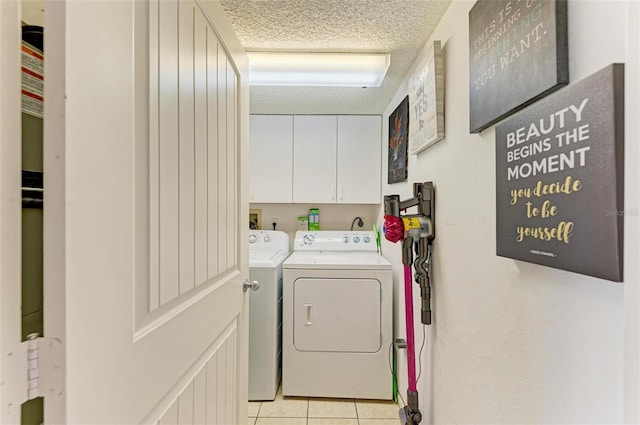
x: 632, y: 225
x: 332, y: 217
x: 514, y: 342
x: 33, y: 12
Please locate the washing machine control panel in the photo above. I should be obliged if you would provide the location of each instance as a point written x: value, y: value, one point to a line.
x: 268, y: 239
x: 330, y: 240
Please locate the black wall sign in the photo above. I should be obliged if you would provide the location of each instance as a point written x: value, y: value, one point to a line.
x: 518, y: 53
x: 560, y: 178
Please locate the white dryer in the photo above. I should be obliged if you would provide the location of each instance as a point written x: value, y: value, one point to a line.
x: 337, y: 323
x: 267, y: 250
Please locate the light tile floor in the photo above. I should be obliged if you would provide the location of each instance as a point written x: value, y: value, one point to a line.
x: 322, y: 411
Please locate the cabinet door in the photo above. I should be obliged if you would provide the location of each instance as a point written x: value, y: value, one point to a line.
x: 359, y: 152
x: 271, y: 158
x: 314, y: 159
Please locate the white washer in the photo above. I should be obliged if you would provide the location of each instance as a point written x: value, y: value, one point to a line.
x: 337, y: 324
x: 267, y: 250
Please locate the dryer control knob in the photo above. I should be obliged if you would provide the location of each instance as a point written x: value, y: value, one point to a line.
x: 356, y: 239
x: 308, y: 239
x: 345, y: 239
x: 366, y: 239
x: 252, y: 238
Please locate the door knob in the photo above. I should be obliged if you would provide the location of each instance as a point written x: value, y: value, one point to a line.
x: 255, y: 285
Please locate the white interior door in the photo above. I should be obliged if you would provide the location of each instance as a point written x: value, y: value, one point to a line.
x: 146, y: 122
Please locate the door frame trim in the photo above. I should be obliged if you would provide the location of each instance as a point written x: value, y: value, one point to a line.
x: 10, y: 204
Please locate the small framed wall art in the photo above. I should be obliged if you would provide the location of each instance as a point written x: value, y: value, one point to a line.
x: 426, y: 90
x: 398, y: 142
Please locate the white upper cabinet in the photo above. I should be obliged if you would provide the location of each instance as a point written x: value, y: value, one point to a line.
x: 271, y: 158
x: 314, y: 158
x: 358, y: 159
x: 324, y: 159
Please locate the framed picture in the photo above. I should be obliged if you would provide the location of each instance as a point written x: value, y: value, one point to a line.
x: 398, y: 142
x: 560, y: 179
x: 426, y: 89
x: 518, y: 54
x: 255, y: 219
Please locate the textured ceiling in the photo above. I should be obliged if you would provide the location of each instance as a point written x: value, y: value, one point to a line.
x: 400, y: 27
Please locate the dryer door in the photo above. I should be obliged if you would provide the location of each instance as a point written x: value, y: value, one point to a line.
x: 337, y: 315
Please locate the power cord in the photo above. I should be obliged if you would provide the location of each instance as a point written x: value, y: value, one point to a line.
x: 420, y: 354
x: 393, y: 374
x: 359, y: 220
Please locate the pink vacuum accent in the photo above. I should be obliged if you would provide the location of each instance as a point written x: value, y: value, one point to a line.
x: 408, y: 313
x: 393, y: 228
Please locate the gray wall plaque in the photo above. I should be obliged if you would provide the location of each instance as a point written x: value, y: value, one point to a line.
x: 560, y: 179
x: 518, y: 53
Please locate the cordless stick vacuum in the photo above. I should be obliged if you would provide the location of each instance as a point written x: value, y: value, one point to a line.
x: 413, y: 230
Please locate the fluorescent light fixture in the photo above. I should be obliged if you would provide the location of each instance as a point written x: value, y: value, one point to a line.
x: 317, y: 69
